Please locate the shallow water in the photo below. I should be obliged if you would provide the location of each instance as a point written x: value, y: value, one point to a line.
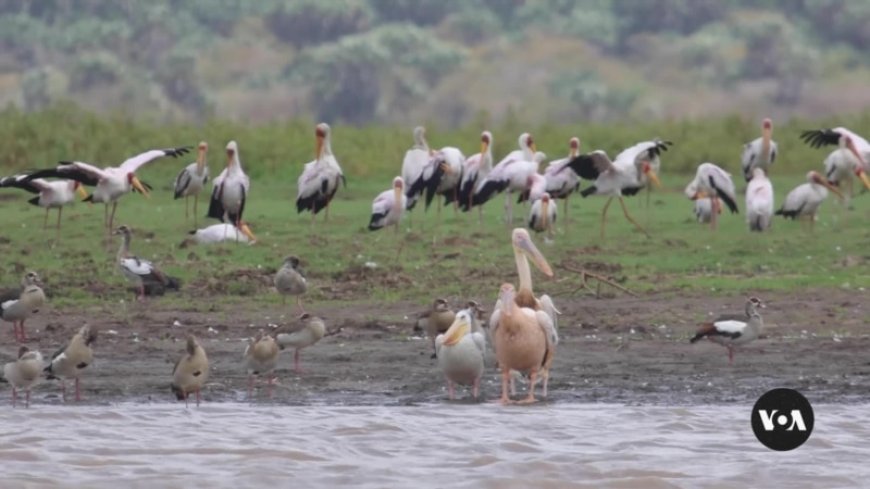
x: 445, y: 445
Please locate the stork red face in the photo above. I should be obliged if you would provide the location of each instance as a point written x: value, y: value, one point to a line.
x: 530, y: 142
x: 767, y: 124
x: 648, y: 171
x: 485, y: 141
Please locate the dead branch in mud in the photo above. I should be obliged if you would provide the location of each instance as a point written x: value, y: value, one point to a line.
x: 585, y: 275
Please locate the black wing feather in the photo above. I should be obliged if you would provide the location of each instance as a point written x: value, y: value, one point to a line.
x: 65, y: 169
x: 583, y: 166
x: 19, y: 181
x: 817, y: 138
x: 732, y: 206
x: 215, y: 207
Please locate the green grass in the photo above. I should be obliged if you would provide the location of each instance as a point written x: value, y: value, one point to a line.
x: 457, y: 259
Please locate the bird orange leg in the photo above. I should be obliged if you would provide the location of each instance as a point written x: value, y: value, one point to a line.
x: 475, y: 388
x: 533, y: 379
x: 505, y: 381
x: 630, y: 219
x: 22, y: 332
x: 451, y: 393
x: 78, y: 391
x: 195, y: 202
x: 198, y: 397
x: 27, y: 398
x: 45, y: 221
x: 14, y: 396
x: 250, y: 386
x: 730, y: 356
x: 296, y: 367
x: 604, y: 215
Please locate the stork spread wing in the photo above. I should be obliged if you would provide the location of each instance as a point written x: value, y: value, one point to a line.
x: 84, y: 173
x: 817, y: 138
x: 590, y: 165
x: 24, y: 182
x: 133, y: 164
x: 657, y: 148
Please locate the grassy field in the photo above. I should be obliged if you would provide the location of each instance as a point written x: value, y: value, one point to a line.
x: 458, y: 258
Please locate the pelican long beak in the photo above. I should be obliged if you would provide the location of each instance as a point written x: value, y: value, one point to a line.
x: 456, y: 332
x: 82, y: 192
x: 318, y: 147
x: 247, y: 232
x: 528, y: 248
x: 654, y: 178
x: 138, y: 186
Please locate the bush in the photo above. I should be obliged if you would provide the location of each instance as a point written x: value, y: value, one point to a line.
x: 306, y: 22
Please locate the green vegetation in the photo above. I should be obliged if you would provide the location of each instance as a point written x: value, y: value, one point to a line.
x: 457, y: 258
x: 405, y: 61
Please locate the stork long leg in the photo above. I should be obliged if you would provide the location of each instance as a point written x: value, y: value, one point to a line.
x: 451, y: 392
x: 112, y: 215
x: 326, y: 211
x: 565, y: 212
x: 195, y: 217
x: 45, y: 221
x: 604, y: 215
x: 505, y: 381
x: 106, y: 215
x: 186, y: 208
x: 714, y: 203
x: 508, y: 208
x: 630, y: 219
x: 475, y: 388
x: 57, y: 228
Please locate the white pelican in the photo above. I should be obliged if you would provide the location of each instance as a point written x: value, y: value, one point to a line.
x: 714, y: 182
x: 523, y: 333
x: 853, y: 157
x: 18, y: 304
x: 110, y: 182
x: 320, y: 178
x: 51, y: 194
x: 218, y: 233
x: 511, y: 174
x: 760, y: 153
x: 542, y: 217
x: 460, y: 353
x: 561, y: 184
x: 192, y: 179
x: 415, y: 161
x: 289, y: 280
x: 141, y: 272
x: 388, y: 206
x: 631, y: 171
x: 477, y: 168
x: 759, y: 201
x: 230, y: 190
x: 261, y: 357
x: 190, y: 371
x: 72, y: 358
x: 733, y: 330
x: 311, y: 331
x: 805, y: 199
x: 24, y: 373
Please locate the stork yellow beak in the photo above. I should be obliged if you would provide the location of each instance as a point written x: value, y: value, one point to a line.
x: 832, y: 188
x: 654, y: 178
x: 247, y: 232
x: 445, y: 168
x: 526, y: 246
x: 318, y: 147
x: 865, y: 179
x: 483, y: 147
x: 82, y: 192
x: 533, y: 147
x: 456, y: 332
x: 138, y: 186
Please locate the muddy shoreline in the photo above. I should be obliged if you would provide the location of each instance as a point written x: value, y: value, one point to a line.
x: 620, y: 350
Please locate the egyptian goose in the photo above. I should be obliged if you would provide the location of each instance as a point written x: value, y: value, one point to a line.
x: 24, y: 373
x: 311, y: 331
x: 141, y: 272
x: 732, y: 330
x: 438, y: 320
x: 71, y: 359
x: 261, y: 356
x: 17, y: 305
x: 190, y: 371
x: 289, y: 280
x: 460, y: 352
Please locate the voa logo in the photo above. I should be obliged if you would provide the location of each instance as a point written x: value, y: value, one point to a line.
x: 782, y: 419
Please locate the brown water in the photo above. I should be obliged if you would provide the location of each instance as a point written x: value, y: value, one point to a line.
x: 231, y: 445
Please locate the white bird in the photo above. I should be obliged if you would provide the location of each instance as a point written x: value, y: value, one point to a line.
x: 191, y: 180
x: 218, y: 233
x: 536, y: 184
x: 733, y: 330
x: 447, y: 175
x: 511, y: 174
x: 413, y: 165
x: 51, y: 194
x: 460, y: 351
x: 853, y: 157
x: 715, y: 183
x: 24, y: 373
x: 760, y: 153
x: 759, y: 201
x: 561, y: 184
x: 631, y: 171
x: 703, y: 208
x: 388, y: 206
x: 477, y: 168
x: 805, y: 199
x: 320, y: 178
x: 142, y: 273
x: 230, y: 190
x: 542, y: 217
x: 110, y: 183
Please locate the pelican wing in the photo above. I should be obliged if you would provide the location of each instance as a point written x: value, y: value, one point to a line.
x: 479, y: 341
x: 130, y: 165
x: 546, y: 324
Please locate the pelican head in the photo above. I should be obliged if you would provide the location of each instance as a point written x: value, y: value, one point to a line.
x: 461, y: 326
x: 816, y: 177
x: 232, y: 153
x: 574, y: 147
x: 246, y: 230
x: 321, y: 132
x: 80, y: 189
x: 134, y: 181
x: 523, y: 244
x: 649, y: 172
x: 485, y: 141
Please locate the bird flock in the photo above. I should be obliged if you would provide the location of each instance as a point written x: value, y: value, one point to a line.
x: 522, y: 328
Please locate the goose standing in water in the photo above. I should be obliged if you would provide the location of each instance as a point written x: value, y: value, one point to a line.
x: 311, y: 331
x: 231, y: 188
x: 17, y: 305
x: 290, y: 281
x: 71, y: 359
x: 732, y: 330
x: 261, y: 357
x: 24, y: 373
x: 320, y: 178
x: 192, y: 180
x: 140, y: 272
x: 460, y: 352
x: 190, y: 372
